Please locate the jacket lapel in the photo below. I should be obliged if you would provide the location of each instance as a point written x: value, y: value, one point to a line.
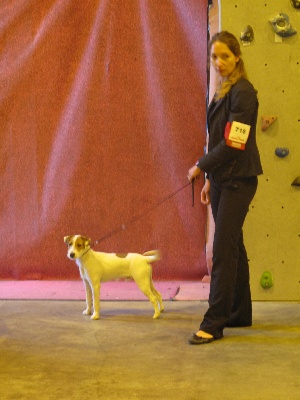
x: 213, y: 107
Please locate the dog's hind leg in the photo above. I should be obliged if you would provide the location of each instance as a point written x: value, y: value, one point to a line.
x: 146, y: 289
x: 157, y: 295
x: 89, y: 297
x: 148, y: 292
x: 142, y: 274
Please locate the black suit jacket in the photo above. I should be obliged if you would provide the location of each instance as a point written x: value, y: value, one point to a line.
x: 226, y: 163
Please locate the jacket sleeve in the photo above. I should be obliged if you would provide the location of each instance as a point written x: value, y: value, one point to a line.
x: 243, y: 104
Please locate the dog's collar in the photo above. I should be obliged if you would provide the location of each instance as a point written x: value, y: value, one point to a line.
x: 85, y: 252
x: 91, y: 245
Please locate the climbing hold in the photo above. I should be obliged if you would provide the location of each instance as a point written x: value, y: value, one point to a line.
x: 282, y: 152
x: 248, y: 34
x: 295, y: 3
x: 267, y: 120
x: 281, y: 25
x: 266, y: 280
x: 296, y: 181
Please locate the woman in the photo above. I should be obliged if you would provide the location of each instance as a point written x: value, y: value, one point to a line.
x: 231, y: 164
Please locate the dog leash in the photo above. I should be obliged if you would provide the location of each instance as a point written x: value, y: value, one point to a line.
x: 131, y: 221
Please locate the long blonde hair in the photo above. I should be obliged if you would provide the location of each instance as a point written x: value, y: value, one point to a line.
x: 232, y: 43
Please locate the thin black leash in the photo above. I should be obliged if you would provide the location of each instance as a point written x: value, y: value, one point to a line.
x: 131, y: 221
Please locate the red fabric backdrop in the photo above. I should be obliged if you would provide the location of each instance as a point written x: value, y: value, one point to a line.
x: 102, y: 112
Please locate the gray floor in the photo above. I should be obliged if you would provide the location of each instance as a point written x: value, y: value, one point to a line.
x: 49, y: 350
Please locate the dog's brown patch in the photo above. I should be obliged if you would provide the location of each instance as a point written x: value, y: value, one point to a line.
x: 81, y: 242
x: 67, y: 240
x: 120, y: 255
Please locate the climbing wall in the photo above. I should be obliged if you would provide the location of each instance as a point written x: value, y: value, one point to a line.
x: 272, y: 228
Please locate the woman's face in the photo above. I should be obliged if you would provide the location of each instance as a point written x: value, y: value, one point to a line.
x: 223, y: 60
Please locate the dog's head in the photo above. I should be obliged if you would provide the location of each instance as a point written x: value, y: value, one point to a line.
x: 77, y: 246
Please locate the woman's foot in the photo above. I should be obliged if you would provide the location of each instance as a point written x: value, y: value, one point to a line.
x: 204, y: 335
x: 201, y: 337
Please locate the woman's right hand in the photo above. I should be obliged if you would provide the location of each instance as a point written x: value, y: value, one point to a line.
x: 205, y: 193
x: 193, y: 173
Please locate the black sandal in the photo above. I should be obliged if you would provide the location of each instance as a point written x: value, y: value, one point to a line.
x: 199, y: 339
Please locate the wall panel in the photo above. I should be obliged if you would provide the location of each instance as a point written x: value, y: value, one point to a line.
x: 102, y: 112
x: 272, y: 228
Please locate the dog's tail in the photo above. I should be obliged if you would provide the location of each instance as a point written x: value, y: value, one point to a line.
x: 152, y: 255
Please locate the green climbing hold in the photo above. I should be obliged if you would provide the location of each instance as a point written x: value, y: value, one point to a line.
x: 266, y: 280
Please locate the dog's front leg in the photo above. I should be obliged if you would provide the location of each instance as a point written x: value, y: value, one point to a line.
x: 89, y: 297
x: 96, y: 300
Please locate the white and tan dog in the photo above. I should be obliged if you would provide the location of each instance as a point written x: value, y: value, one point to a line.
x: 96, y: 267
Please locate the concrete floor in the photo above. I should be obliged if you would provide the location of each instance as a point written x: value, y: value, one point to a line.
x: 49, y: 350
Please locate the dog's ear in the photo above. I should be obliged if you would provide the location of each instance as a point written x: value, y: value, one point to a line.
x: 67, y: 239
x: 87, y: 241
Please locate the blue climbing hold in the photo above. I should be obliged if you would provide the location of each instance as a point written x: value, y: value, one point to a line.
x: 282, y: 152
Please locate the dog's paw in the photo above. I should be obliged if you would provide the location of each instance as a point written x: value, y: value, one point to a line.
x: 87, y: 312
x: 95, y: 316
x: 156, y: 315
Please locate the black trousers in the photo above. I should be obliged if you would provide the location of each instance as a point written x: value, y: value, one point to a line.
x: 230, y: 296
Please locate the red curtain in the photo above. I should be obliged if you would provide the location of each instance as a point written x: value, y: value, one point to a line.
x: 102, y: 112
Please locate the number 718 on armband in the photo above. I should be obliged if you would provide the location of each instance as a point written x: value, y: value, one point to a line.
x: 237, y: 134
